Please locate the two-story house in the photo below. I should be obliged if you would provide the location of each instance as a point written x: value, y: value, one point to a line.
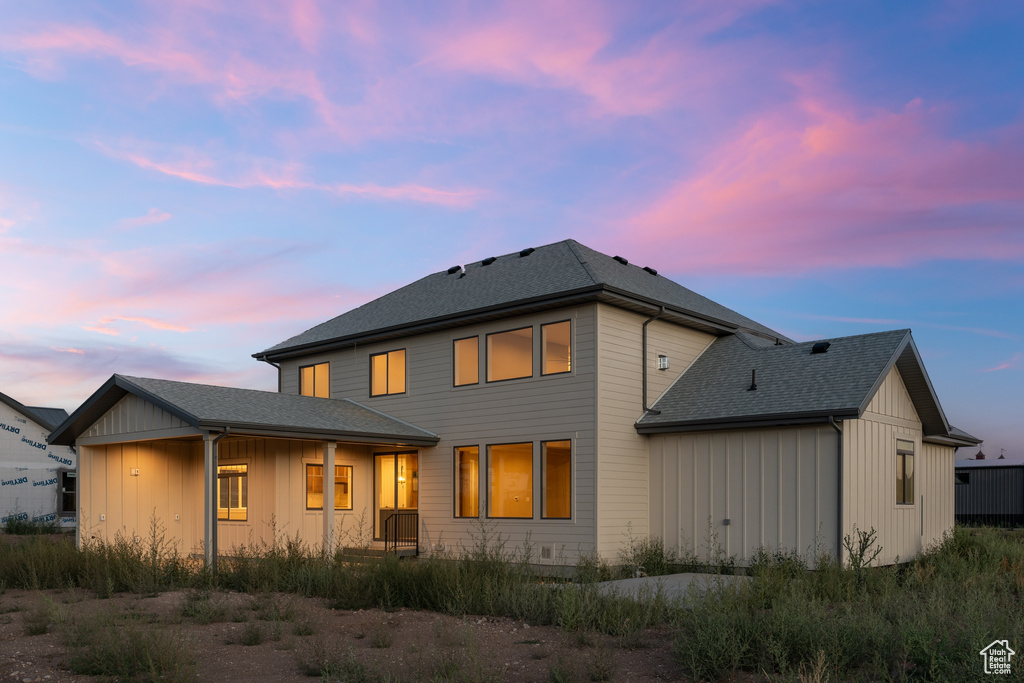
x: 557, y: 396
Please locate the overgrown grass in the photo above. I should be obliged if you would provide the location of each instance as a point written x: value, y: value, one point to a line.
x: 925, y: 620
x: 24, y: 526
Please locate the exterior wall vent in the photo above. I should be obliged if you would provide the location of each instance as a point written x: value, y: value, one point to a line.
x: 547, y: 552
x: 662, y: 362
x: 489, y: 260
x: 621, y: 260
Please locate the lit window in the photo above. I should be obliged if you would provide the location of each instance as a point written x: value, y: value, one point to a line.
x: 556, y: 479
x: 904, y: 472
x: 232, y: 492
x: 315, y: 487
x: 467, y: 481
x: 387, y: 373
x: 511, y: 477
x: 314, y: 380
x: 467, y: 361
x: 510, y: 354
x: 557, y: 356
x: 68, y: 493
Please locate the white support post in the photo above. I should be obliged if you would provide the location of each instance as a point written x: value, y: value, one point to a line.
x: 210, y: 500
x: 329, y: 448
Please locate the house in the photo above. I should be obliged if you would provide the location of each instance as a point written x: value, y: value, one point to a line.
x: 989, y: 491
x: 37, y: 480
x: 558, y: 396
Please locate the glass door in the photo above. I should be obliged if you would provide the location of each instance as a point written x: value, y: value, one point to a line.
x: 396, y: 487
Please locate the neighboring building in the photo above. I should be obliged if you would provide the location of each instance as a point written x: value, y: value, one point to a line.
x: 990, y: 491
x: 37, y: 480
x: 517, y: 392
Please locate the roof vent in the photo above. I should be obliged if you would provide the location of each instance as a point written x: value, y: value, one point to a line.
x: 820, y: 347
x: 753, y: 381
x: 454, y: 269
x: 526, y: 252
x: 650, y: 270
x: 489, y: 260
x: 621, y: 260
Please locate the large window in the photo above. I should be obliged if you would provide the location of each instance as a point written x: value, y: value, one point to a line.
x: 68, y: 492
x: 510, y: 354
x: 314, y: 380
x: 556, y: 479
x: 232, y: 492
x: 555, y: 348
x: 511, y: 480
x: 467, y: 481
x: 315, y: 487
x: 387, y: 373
x: 467, y: 361
x: 904, y: 472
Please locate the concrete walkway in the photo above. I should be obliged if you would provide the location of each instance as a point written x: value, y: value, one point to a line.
x: 672, y: 586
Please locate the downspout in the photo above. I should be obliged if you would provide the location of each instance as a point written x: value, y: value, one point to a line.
x: 839, y: 509
x: 278, y: 366
x: 643, y: 361
x: 216, y: 457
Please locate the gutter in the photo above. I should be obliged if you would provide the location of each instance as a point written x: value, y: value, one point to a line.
x: 276, y: 365
x: 839, y: 509
x: 643, y: 362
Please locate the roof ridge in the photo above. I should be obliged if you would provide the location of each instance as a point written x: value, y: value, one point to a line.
x: 571, y: 243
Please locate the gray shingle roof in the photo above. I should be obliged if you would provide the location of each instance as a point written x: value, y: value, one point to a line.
x: 206, y: 406
x: 553, y: 271
x: 793, y: 384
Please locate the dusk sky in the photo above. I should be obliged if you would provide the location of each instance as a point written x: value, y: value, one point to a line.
x: 185, y: 183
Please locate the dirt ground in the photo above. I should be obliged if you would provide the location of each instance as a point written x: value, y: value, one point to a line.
x: 401, y: 645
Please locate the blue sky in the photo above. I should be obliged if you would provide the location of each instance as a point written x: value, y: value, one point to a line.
x: 185, y: 183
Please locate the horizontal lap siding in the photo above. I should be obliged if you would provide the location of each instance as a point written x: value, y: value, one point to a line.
x: 777, y: 488
x: 869, y: 475
x: 623, y: 490
x: 533, y: 409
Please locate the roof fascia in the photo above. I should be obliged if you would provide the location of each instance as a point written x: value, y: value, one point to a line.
x: 866, y: 401
x: 745, y: 422
x: 928, y: 383
x: 247, y: 429
x: 949, y: 440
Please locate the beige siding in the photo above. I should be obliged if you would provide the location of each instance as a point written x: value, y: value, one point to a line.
x: 869, y: 476
x: 622, y: 453
x: 533, y: 409
x: 132, y: 415
x: 777, y: 488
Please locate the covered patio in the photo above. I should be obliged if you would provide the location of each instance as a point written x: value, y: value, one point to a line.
x: 218, y: 468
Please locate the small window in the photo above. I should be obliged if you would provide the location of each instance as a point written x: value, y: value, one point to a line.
x: 387, y: 373
x: 68, y: 493
x: 963, y: 477
x: 511, y: 480
x: 556, y: 479
x: 467, y: 361
x: 555, y: 346
x: 232, y: 492
x: 314, y: 380
x: 904, y: 472
x: 510, y: 354
x: 467, y: 481
x: 315, y: 487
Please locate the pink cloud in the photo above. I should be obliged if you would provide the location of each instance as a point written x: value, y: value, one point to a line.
x: 820, y: 184
x: 1013, y: 362
x: 148, y: 322
x: 152, y: 217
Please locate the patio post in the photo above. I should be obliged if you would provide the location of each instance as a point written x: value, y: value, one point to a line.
x: 329, y: 448
x: 210, y: 500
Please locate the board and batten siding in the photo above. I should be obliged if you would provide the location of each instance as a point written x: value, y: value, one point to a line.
x: 533, y: 409
x: 622, y: 461
x: 869, y: 476
x: 776, y: 487
x: 134, y: 415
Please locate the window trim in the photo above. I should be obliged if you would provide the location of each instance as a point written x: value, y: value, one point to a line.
x: 543, y: 478
x: 405, y: 372
x: 543, y: 351
x: 903, y: 504
x: 455, y: 479
x: 313, y: 365
x: 234, y: 463
x: 487, y: 360
x: 533, y: 456
x: 455, y: 361
x: 351, y: 488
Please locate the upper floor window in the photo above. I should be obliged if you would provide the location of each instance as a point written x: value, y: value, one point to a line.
x: 467, y: 361
x: 315, y: 380
x: 510, y: 354
x: 387, y: 373
x: 904, y: 472
x: 555, y: 348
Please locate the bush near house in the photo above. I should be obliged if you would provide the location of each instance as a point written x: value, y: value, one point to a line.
x: 923, y: 620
